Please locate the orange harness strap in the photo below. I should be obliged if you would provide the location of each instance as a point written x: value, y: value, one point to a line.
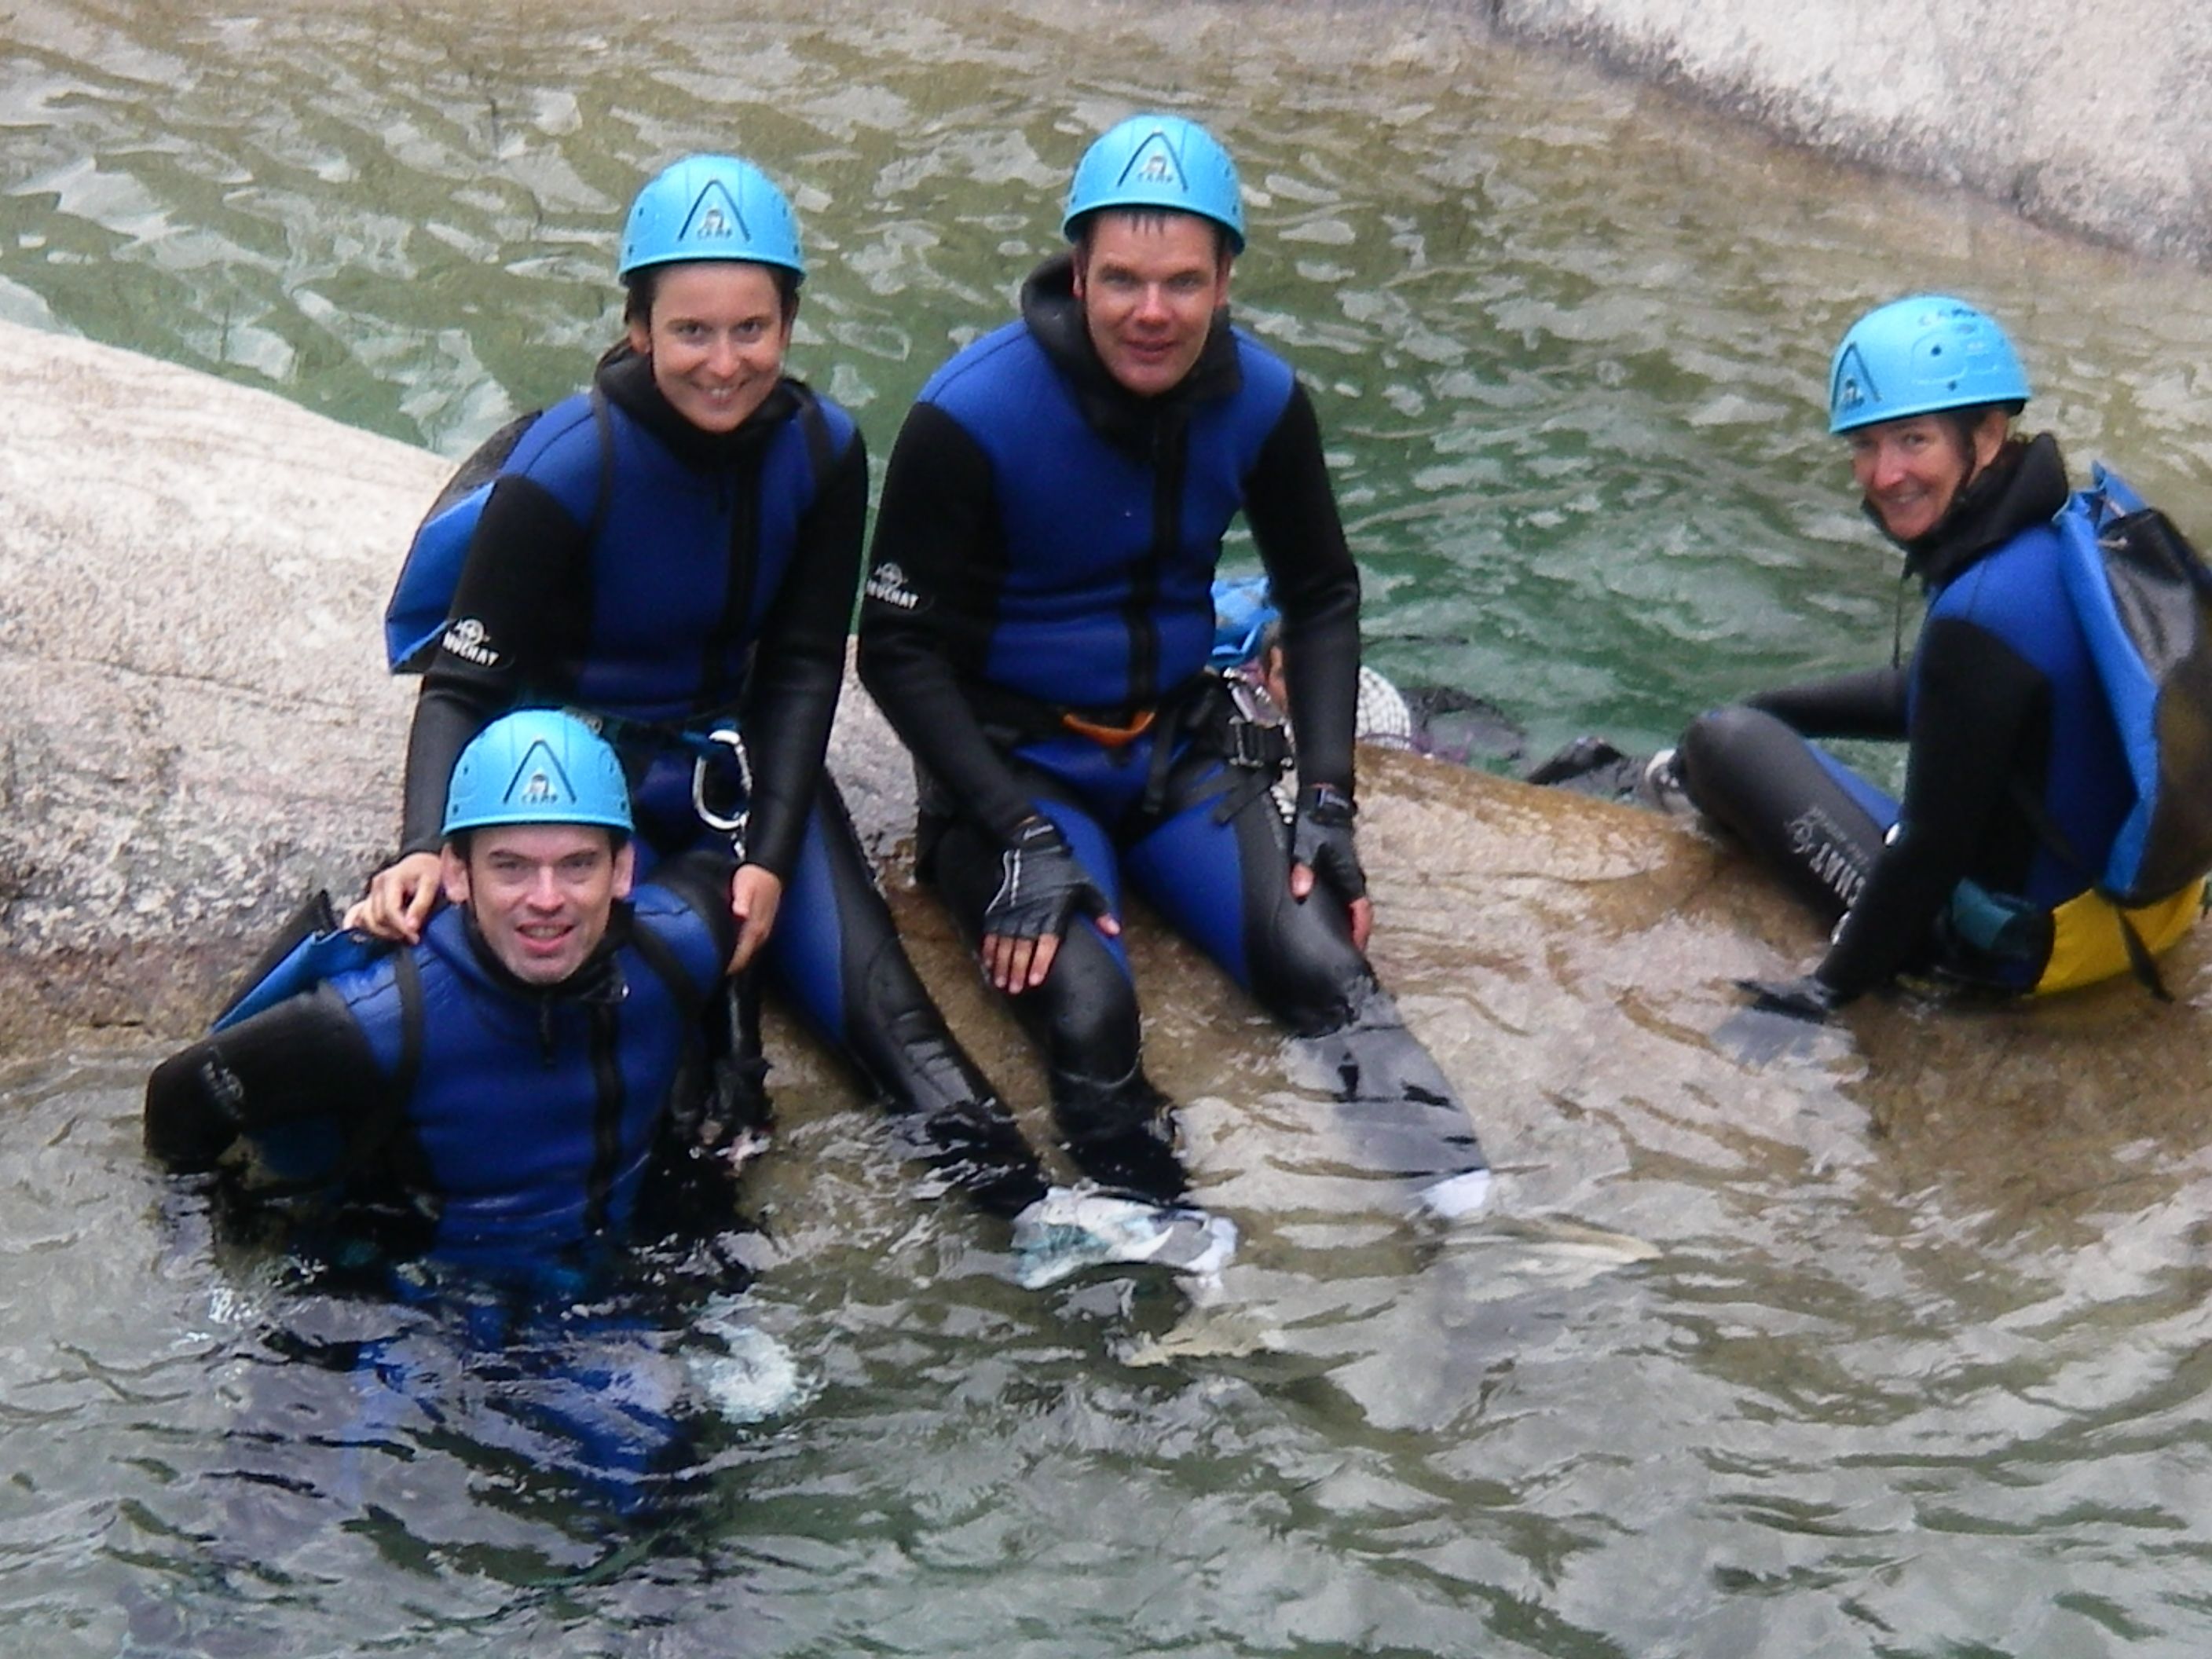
x: 1112, y: 736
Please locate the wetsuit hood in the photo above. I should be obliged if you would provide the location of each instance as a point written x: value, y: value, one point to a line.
x: 2024, y: 485
x: 625, y: 377
x: 1054, y: 319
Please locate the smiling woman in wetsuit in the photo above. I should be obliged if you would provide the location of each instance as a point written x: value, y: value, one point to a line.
x: 674, y: 553
x: 2015, y: 780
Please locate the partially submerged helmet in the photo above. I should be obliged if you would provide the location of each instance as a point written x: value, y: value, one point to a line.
x: 537, y: 766
x: 1158, y: 161
x: 1918, y: 356
x: 710, y: 207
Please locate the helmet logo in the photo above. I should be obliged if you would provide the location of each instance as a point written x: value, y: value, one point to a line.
x: 1155, y: 164
x: 539, y: 781
x: 1854, y: 385
x: 714, y: 217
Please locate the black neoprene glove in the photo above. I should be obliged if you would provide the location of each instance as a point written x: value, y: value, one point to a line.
x: 1041, y: 883
x: 1321, y: 839
x: 1810, y: 998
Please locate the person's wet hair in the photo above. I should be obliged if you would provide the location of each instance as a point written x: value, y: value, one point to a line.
x: 639, y: 287
x: 1965, y: 422
x: 1146, y: 219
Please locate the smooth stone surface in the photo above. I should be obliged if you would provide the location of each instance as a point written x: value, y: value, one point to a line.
x: 2086, y: 115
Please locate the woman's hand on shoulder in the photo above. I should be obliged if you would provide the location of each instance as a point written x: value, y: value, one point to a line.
x: 399, y: 900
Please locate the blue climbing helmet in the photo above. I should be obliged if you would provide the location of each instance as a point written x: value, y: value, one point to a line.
x: 710, y: 207
x: 537, y: 766
x: 1919, y: 355
x: 1241, y: 612
x: 1158, y: 161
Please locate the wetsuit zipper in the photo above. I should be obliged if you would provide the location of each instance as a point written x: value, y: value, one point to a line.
x: 740, y: 501
x: 1168, y: 458
x: 606, y: 1128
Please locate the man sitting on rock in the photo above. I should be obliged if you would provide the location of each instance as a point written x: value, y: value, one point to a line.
x: 1035, y: 627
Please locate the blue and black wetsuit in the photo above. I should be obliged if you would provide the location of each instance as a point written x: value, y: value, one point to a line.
x: 1044, y: 554
x: 511, y: 1123
x: 513, y: 1140
x: 2000, y: 705
x: 716, y: 579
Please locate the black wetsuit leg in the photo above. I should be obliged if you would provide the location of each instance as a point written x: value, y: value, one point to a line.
x: 1115, y: 1124
x: 843, y: 964
x: 1796, y: 809
x: 1297, y: 958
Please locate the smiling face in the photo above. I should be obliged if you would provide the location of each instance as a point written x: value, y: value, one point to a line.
x: 716, y: 332
x: 1912, y: 471
x: 1149, y: 284
x: 543, y: 894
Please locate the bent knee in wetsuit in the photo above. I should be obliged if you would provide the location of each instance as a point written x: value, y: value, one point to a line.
x: 1726, y: 754
x: 1803, y: 814
x: 1084, y: 1017
x: 1305, y: 969
x: 1214, y: 843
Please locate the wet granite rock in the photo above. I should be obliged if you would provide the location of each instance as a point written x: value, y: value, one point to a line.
x: 199, y: 729
x: 2085, y: 115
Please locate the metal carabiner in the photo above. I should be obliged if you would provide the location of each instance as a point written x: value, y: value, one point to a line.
x: 1257, y: 737
x: 732, y: 825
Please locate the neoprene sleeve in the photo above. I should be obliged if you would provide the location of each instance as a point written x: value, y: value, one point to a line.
x: 1867, y: 703
x: 799, y: 664
x: 938, y: 523
x: 1311, y: 576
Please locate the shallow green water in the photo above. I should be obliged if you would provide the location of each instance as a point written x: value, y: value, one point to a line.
x: 1567, y: 341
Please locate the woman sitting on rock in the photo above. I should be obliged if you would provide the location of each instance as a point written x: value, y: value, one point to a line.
x: 2015, y: 781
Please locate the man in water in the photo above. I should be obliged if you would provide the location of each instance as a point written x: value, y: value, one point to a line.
x: 1036, y: 625
x: 480, y: 1122
x: 513, y: 1075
